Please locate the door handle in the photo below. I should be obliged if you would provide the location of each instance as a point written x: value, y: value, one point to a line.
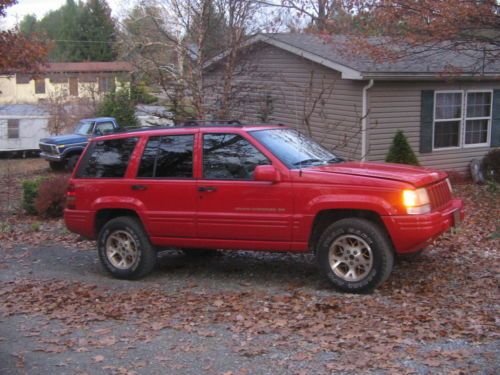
x: 139, y: 187
x: 208, y: 189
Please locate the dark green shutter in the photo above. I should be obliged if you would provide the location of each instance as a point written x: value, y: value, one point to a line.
x: 426, y: 119
x: 495, y: 123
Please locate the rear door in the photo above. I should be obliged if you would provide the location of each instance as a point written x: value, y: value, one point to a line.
x: 232, y: 205
x: 165, y: 185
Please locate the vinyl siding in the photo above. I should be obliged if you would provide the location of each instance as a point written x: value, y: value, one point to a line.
x: 267, y: 71
x: 396, y: 106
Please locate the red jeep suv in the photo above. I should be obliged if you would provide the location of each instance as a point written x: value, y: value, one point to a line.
x: 252, y: 187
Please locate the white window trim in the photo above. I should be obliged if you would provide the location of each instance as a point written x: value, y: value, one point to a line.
x: 459, y: 119
x: 18, y: 129
x: 463, y: 119
x: 488, y: 131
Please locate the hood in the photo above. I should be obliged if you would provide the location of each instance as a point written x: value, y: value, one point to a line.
x: 417, y: 176
x: 65, y: 139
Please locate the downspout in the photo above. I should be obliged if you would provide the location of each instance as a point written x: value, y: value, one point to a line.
x: 364, y: 120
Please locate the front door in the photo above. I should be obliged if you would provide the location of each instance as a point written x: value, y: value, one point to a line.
x: 232, y: 205
x: 166, y: 187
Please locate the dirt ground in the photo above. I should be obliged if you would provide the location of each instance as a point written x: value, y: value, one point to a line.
x: 246, y: 312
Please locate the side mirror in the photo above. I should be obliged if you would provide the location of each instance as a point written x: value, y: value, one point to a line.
x: 266, y: 173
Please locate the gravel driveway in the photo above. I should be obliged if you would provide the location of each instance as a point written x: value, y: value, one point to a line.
x: 216, y: 315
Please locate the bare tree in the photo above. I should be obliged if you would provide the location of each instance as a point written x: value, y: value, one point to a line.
x: 65, y: 112
x: 314, y: 15
x: 178, y: 38
x: 309, y: 102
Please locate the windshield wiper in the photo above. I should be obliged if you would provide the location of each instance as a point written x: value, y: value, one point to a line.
x: 307, y: 161
x: 335, y: 160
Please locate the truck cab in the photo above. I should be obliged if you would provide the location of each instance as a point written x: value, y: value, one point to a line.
x: 63, y: 151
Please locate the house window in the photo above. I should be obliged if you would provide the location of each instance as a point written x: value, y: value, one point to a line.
x: 477, y: 117
x: 447, y: 119
x: 73, y: 86
x: 40, y: 86
x: 462, y: 118
x: 106, y: 84
x: 12, y: 128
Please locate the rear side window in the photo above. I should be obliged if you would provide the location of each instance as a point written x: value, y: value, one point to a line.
x: 106, y: 159
x: 168, y: 157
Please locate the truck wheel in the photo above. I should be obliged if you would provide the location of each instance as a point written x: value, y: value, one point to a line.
x: 355, y: 254
x: 125, y: 250
x: 71, y: 163
x: 56, y: 165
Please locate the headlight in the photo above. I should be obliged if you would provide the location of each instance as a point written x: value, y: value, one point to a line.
x: 416, y: 201
x: 61, y: 146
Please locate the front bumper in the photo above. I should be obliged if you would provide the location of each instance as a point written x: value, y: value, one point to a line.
x: 410, y: 233
x: 51, y: 157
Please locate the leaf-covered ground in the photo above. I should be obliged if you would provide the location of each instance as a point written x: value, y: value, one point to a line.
x: 248, y: 313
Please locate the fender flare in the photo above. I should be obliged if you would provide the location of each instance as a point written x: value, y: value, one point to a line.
x: 71, y: 151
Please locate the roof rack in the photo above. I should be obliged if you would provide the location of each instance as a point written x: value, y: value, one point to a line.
x: 195, y: 123
x: 210, y: 123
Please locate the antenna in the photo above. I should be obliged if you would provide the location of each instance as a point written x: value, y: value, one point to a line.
x: 297, y: 124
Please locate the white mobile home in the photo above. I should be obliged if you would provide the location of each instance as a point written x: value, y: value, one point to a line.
x: 22, y: 126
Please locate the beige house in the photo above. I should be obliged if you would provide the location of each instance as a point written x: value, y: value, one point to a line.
x: 31, y: 106
x: 354, y: 106
x: 69, y: 80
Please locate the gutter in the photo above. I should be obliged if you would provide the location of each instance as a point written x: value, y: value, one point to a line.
x: 364, y: 120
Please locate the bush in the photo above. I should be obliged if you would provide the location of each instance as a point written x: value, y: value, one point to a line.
x: 491, y: 165
x: 120, y: 105
x: 139, y: 94
x: 51, y: 197
x: 30, y: 192
x: 400, y: 151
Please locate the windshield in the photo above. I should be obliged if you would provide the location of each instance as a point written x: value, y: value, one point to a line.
x: 294, y: 149
x: 84, y: 128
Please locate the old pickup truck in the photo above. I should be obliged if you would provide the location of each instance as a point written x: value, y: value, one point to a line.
x: 63, y: 151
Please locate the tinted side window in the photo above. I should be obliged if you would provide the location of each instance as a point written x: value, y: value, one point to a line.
x: 104, y: 128
x: 168, y: 157
x: 230, y: 157
x: 106, y: 159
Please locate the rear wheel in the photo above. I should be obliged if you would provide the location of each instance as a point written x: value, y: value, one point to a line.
x: 125, y: 250
x: 355, y: 254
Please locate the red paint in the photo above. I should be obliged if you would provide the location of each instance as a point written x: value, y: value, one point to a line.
x: 276, y: 211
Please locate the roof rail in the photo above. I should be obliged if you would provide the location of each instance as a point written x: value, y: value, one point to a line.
x: 194, y: 123
x: 209, y: 122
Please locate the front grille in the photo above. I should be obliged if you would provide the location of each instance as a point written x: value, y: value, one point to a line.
x: 439, y: 194
x: 48, y: 149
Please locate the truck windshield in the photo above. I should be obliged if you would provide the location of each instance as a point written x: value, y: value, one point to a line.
x: 84, y: 128
x: 294, y: 149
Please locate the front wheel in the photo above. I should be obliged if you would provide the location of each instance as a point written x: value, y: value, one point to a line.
x: 56, y: 165
x: 125, y: 250
x: 71, y: 163
x: 355, y: 254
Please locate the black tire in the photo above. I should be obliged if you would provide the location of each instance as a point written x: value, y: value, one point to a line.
x: 200, y: 252
x: 71, y: 162
x: 56, y: 165
x: 129, y: 229
x: 360, y: 248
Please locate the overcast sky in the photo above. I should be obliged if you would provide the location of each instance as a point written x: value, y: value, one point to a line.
x: 40, y: 7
